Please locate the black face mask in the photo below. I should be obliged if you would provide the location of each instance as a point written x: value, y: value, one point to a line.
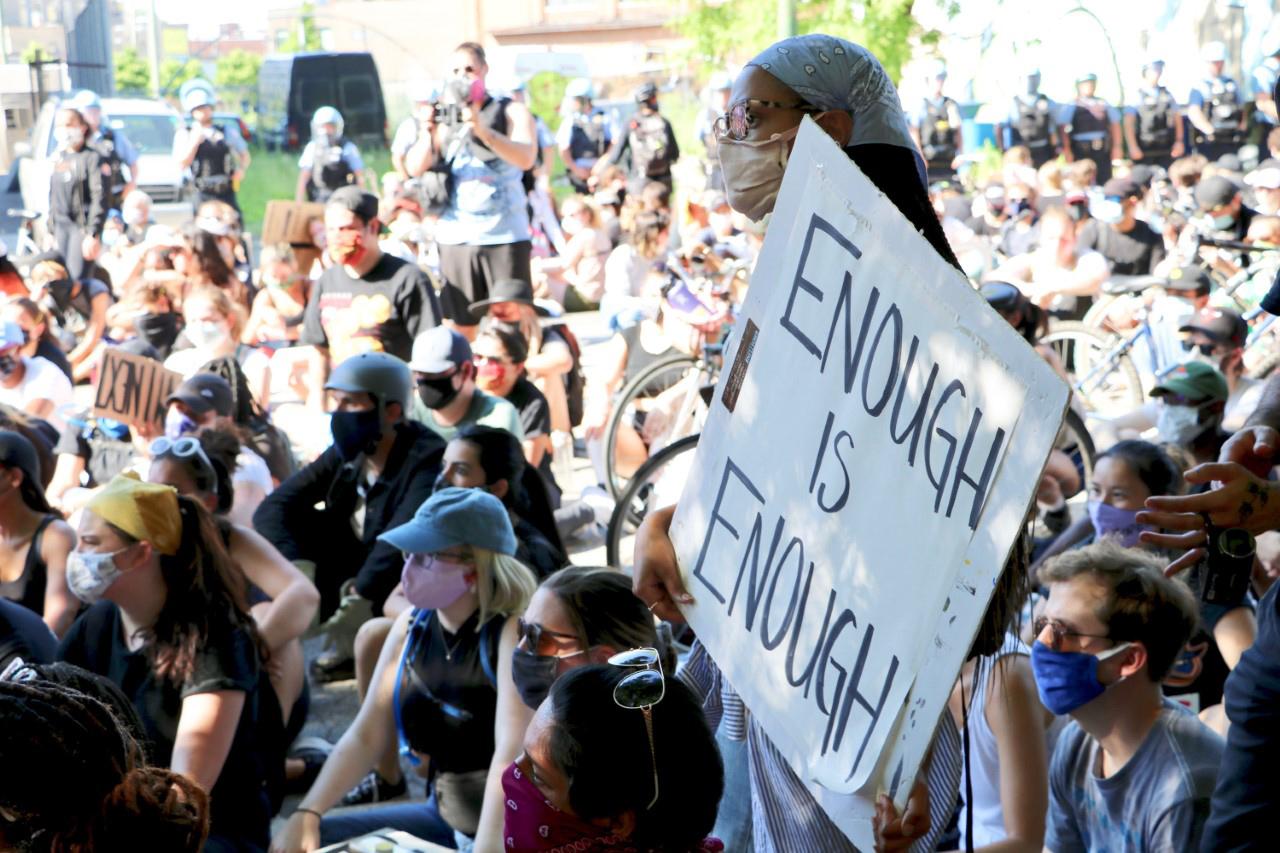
x: 159, y: 330
x: 437, y: 393
x: 533, y: 675
x: 8, y: 364
x: 61, y: 291
x: 355, y: 432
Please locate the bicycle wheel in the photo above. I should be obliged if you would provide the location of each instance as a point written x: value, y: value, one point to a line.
x: 1079, y: 446
x: 656, y: 483
x: 649, y: 382
x: 1101, y: 375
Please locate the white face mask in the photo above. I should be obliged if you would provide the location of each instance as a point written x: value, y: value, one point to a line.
x: 67, y: 137
x: 207, y: 335
x: 1107, y: 210
x: 90, y: 575
x: 753, y: 171
x: 1179, y: 425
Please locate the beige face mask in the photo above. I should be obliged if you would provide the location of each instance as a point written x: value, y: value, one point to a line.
x: 753, y: 171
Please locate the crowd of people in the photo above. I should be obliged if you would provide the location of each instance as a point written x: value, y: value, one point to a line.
x: 158, y: 576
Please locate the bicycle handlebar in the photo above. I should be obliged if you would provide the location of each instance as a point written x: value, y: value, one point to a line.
x: 1217, y: 243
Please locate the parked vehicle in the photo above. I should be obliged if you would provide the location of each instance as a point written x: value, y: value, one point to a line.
x: 150, y: 125
x: 246, y: 133
x: 291, y: 87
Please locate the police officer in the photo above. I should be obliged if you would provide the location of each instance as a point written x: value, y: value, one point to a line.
x: 423, y: 94
x: 936, y: 127
x: 1216, y: 107
x: 649, y: 142
x: 1153, y: 126
x: 1264, y: 80
x: 1091, y: 131
x: 114, y: 146
x: 78, y: 194
x: 1032, y: 121
x: 215, y: 153
x: 585, y: 137
x: 329, y: 161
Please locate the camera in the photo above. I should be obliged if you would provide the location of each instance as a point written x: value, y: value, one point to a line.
x: 459, y: 92
x: 1227, y: 570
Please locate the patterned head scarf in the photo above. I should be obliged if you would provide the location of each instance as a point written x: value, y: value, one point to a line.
x: 834, y: 74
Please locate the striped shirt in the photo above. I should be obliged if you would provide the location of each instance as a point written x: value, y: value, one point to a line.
x: 785, y: 816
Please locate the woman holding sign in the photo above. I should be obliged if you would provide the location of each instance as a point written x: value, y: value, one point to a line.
x: 846, y: 91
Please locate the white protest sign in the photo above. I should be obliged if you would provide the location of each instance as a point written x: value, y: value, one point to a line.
x: 873, y: 446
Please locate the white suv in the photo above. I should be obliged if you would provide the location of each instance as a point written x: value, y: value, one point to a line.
x: 149, y: 124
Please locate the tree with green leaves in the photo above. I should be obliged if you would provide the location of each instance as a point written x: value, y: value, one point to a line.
x: 35, y: 52
x: 175, y: 72
x: 723, y: 33
x: 306, y: 36
x: 133, y: 77
x: 236, y: 75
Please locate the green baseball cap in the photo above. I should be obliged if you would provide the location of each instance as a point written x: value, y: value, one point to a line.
x: 1194, y: 380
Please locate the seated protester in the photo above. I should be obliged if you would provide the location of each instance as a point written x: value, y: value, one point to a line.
x: 11, y: 282
x: 212, y: 330
x: 722, y: 235
x: 281, y: 303
x: 444, y: 677
x: 1058, y: 275
x: 33, y: 552
x: 23, y: 637
x: 223, y: 222
x: 626, y: 300
x: 38, y: 331
x: 282, y: 601
x: 39, y: 433
x: 168, y: 623
x: 575, y: 278
x: 448, y: 400
x: 578, y: 616
x: 78, y: 308
x: 499, y: 353
x: 483, y: 457
x: 1216, y: 336
x: 136, y: 213
x: 85, y: 783
x: 1193, y: 397
x: 366, y: 301
x: 31, y: 384
x: 204, y: 402
x: 329, y: 515
x: 616, y: 758
x: 1129, y: 244
x: 253, y: 425
x: 205, y: 263
x: 1018, y: 235
x: 146, y: 314
x: 989, y: 216
x: 1134, y: 770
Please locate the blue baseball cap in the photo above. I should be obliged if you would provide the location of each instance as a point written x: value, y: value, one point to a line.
x: 452, y: 517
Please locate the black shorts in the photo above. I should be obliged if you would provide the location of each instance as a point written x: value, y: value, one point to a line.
x: 468, y: 271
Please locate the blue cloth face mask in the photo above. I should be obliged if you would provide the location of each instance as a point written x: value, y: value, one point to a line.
x: 1068, y: 680
x: 1113, y: 521
x: 355, y: 432
x: 177, y: 424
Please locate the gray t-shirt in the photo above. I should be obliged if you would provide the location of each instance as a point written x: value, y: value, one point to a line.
x: 1158, y: 801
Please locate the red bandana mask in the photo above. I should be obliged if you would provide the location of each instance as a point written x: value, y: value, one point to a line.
x: 530, y: 823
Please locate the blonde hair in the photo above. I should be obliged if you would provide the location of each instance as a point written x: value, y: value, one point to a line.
x: 277, y: 253
x: 504, y: 584
x: 221, y: 302
x: 583, y: 204
x: 1018, y: 155
x: 1049, y: 176
x: 47, y: 271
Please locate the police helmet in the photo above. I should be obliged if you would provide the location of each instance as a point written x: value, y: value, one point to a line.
x: 378, y: 374
x: 327, y: 115
x: 1088, y: 77
x: 580, y: 87
x: 86, y: 99
x: 646, y: 92
x: 196, y: 93
x: 1214, y: 51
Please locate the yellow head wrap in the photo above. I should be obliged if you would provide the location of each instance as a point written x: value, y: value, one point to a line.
x: 146, y: 511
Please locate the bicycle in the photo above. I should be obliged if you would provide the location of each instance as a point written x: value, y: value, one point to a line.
x: 661, y: 479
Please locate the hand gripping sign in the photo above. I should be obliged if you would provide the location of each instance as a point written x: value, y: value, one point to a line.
x: 872, y: 450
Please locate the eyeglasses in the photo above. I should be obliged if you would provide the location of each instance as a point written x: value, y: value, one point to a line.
x: 640, y: 691
x: 185, y: 448
x: 1060, y: 632
x: 1204, y: 349
x: 531, y: 634
x: 739, y: 120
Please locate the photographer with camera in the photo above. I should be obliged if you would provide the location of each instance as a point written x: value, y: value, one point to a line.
x: 475, y: 151
x: 424, y: 94
x: 330, y: 161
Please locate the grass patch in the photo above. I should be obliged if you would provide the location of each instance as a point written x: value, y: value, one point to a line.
x: 274, y: 175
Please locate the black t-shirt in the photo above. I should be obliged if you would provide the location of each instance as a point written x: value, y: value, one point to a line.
x: 535, y: 420
x: 228, y: 660
x: 103, y: 456
x: 1134, y: 252
x: 24, y: 635
x: 381, y: 312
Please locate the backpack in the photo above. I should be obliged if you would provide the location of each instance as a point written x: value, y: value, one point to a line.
x: 650, y: 155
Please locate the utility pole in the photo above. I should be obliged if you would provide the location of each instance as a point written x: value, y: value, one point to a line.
x: 786, y: 18
x: 153, y: 47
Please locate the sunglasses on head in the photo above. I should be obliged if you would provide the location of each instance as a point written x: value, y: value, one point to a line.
x: 640, y: 691
x: 186, y: 448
